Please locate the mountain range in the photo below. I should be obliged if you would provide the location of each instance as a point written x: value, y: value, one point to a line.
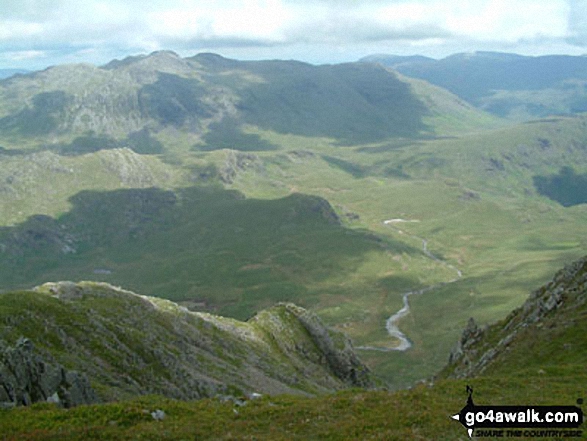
x: 509, y: 85
x: 387, y: 206
x: 213, y: 99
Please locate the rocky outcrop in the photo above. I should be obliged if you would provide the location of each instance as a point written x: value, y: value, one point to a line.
x: 478, y: 349
x: 128, y: 345
x: 471, y: 335
x: 338, y: 351
x: 237, y: 162
x: 26, y: 378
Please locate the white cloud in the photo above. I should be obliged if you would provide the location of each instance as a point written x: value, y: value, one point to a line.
x: 25, y: 55
x: 135, y: 25
x: 509, y: 20
x: 578, y: 23
x: 16, y: 29
x: 261, y: 19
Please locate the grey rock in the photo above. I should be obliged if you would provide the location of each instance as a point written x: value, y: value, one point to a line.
x: 26, y: 377
x: 341, y: 357
x: 54, y: 399
x: 472, y: 355
x: 158, y: 415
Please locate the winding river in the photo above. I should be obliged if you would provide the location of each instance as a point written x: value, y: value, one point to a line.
x: 391, y: 324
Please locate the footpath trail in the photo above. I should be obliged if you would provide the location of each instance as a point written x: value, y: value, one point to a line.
x: 391, y: 324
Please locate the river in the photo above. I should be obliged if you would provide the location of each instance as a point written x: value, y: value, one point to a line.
x: 391, y: 324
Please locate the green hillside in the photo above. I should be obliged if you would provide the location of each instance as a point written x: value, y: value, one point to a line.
x: 129, y: 345
x: 508, y: 85
x: 229, y: 186
x: 537, y: 357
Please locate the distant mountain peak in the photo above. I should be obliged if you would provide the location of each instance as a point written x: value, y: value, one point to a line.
x: 161, y: 56
x: 395, y: 59
x: 212, y: 59
x: 165, y: 53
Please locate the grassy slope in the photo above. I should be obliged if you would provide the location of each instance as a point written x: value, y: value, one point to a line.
x: 422, y: 413
x: 487, y: 221
x: 543, y: 365
x: 484, y: 218
x: 131, y: 345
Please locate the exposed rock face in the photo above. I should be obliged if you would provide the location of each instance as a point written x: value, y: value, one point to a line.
x: 340, y: 356
x: 26, y: 377
x: 129, y: 344
x: 471, y: 335
x: 479, y: 348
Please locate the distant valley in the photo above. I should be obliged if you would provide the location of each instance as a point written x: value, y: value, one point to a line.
x: 229, y: 186
x: 508, y: 85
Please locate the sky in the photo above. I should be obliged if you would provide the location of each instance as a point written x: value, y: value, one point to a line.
x: 35, y: 34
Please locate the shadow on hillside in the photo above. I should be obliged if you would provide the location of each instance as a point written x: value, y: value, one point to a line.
x: 567, y: 187
x: 40, y: 119
x: 227, y: 134
x: 140, y: 142
x: 11, y: 152
x: 196, y: 243
x: 352, y: 103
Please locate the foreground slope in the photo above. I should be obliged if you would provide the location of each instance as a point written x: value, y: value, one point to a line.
x: 523, y: 370
x: 130, y: 345
x: 545, y: 335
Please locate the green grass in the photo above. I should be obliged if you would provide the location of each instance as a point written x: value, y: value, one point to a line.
x: 470, y: 185
x: 422, y: 413
x: 543, y: 365
x: 239, y: 256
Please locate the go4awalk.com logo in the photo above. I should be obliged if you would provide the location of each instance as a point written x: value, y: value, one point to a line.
x: 520, y: 421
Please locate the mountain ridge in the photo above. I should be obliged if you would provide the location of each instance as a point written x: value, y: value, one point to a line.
x: 508, y: 85
x: 553, y: 312
x: 129, y: 345
x: 162, y: 91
